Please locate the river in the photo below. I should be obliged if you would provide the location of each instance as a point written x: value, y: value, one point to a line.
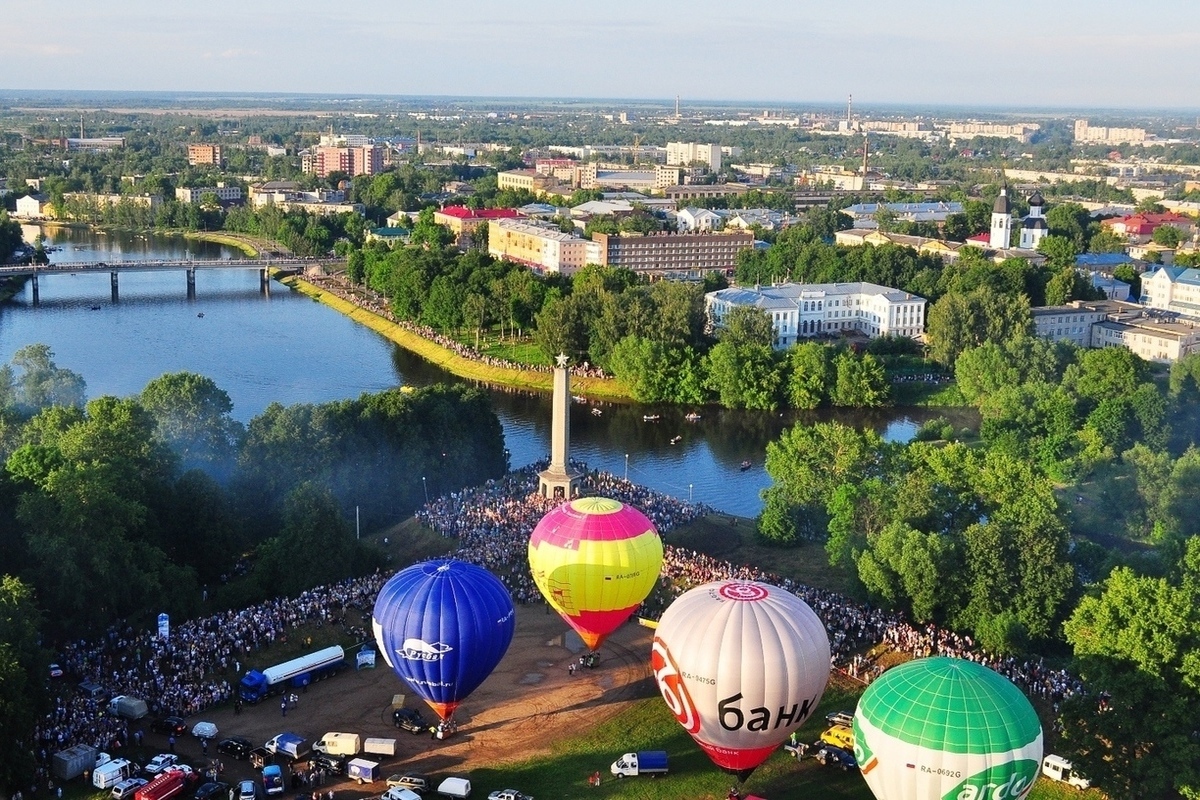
x: 284, y: 347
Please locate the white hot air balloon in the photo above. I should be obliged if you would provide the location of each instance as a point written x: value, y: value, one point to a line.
x: 741, y: 665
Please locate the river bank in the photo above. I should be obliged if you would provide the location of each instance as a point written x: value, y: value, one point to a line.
x: 536, y: 380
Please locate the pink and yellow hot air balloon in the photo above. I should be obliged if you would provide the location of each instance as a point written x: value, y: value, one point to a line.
x: 594, y: 560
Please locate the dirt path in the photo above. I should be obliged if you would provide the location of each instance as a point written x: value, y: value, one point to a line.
x: 529, y: 702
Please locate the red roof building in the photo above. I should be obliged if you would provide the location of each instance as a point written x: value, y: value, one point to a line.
x: 1138, y: 226
x: 463, y: 221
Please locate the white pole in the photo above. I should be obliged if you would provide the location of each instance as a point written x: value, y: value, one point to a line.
x: 357, y: 528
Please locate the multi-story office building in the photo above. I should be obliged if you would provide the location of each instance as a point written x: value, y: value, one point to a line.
x: 540, y: 246
x: 800, y: 310
x: 226, y: 194
x: 688, y: 254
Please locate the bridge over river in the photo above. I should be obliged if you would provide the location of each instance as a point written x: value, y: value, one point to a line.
x: 189, y: 266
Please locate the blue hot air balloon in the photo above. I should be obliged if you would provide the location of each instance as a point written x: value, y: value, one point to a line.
x: 443, y: 626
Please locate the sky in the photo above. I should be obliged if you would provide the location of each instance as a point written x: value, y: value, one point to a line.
x: 1053, y: 53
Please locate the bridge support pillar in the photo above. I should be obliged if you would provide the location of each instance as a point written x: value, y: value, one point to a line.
x: 264, y: 281
x: 191, y: 283
x: 34, y: 286
x: 115, y: 292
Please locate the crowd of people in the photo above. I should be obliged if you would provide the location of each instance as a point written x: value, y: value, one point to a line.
x: 186, y: 672
x: 377, y: 304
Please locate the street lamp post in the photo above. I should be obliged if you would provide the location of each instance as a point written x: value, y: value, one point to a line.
x: 627, y: 466
x: 689, y: 493
x: 425, y: 486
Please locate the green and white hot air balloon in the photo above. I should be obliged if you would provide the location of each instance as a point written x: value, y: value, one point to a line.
x: 946, y: 729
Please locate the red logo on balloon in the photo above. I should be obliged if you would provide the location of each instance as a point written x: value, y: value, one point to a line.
x: 748, y: 592
x: 670, y: 684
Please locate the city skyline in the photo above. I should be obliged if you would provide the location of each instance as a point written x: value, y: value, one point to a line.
x: 1068, y: 54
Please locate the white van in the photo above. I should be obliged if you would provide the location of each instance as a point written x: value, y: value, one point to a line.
x: 457, y: 788
x: 1057, y: 768
x: 109, y: 775
x: 339, y: 744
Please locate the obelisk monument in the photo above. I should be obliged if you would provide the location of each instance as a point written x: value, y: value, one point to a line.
x: 559, y: 478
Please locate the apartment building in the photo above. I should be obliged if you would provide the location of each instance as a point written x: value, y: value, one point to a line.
x: 1085, y: 133
x: 200, y: 154
x: 354, y: 161
x: 682, y: 254
x: 540, y: 246
x: 801, y: 311
x: 1022, y: 131
x: 685, y: 153
x: 1153, y: 334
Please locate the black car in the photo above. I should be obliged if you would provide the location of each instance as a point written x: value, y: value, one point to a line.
x: 174, y: 725
x: 218, y: 790
x: 235, y: 746
x: 331, y: 764
x: 409, y: 719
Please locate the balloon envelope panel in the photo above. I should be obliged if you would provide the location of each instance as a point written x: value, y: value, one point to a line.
x: 741, y: 665
x: 444, y: 625
x: 594, y: 560
x: 946, y: 728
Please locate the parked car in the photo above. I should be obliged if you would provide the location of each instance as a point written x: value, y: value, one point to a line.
x: 214, y: 790
x: 410, y: 780
x: 173, y: 725
x: 409, y: 719
x: 399, y: 793
x: 508, y: 794
x: 247, y: 790
x: 125, y: 789
x: 160, y: 762
x: 56, y: 671
x: 331, y: 764
x: 237, y: 746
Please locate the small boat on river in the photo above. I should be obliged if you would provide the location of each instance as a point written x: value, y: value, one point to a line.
x: 691, y: 416
x: 745, y: 465
x: 650, y: 418
x: 676, y: 439
x: 596, y: 412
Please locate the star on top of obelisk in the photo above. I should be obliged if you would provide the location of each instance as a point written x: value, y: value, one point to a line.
x: 561, y: 360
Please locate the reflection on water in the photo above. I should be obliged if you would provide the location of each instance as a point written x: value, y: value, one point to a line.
x: 284, y: 347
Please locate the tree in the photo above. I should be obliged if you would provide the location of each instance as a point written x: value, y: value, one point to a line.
x: 743, y: 376
x: 429, y: 234
x: 1138, y: 642
x: 1060, y: 251
x: 1069, y: 221
x: 192, y: 417
x: 860, y: 383
x: 22, y: 691
x: 1167, y: 236
x: 811, y: 375
x: 41, y: 383
x: 957, y: 322
x: 748, y: 325
x: 911, y: 569
x: 313, y: 525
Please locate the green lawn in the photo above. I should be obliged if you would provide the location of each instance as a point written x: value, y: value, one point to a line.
x: 648, y: 725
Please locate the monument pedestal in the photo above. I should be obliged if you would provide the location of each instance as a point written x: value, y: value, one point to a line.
x: 552, y: 483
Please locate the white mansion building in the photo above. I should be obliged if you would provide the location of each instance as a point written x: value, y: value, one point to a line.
x: 803, y: 310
